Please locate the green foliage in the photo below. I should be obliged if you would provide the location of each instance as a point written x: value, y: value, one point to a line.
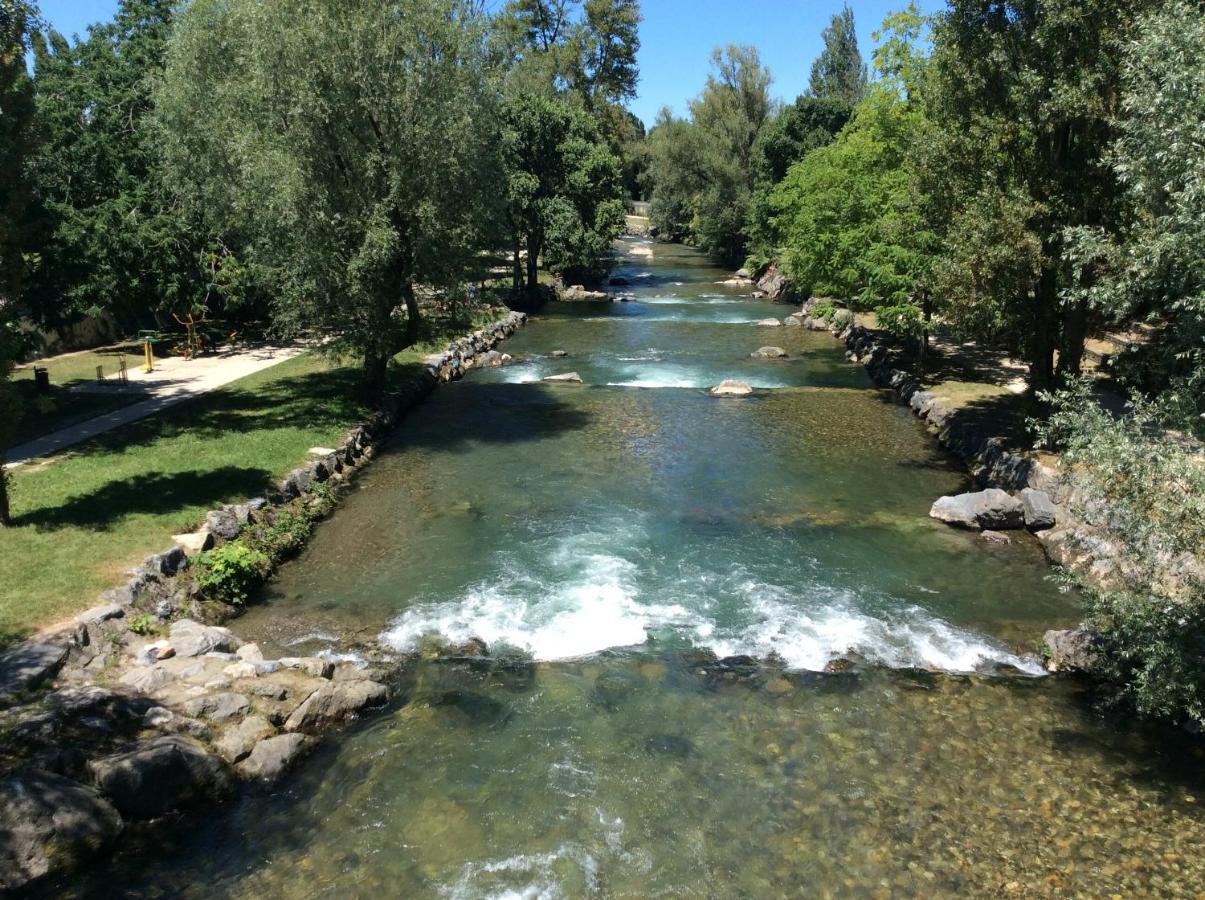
x: 839, y: 73
x: 1151, y: 265
x: 1148, y: 496
x: 287, y: 532
x: 144, y: 624
x: 701, y: 168
x: 805, y: 125
x: 352, y: 143
x: 106, y: 236
x: 1023, y: 97
x: 232, y: 571
x: 565, y: 189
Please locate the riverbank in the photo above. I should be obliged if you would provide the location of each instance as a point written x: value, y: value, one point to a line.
x: 142, y: 717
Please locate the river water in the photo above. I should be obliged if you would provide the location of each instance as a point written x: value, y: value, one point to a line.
x: 615, y: 544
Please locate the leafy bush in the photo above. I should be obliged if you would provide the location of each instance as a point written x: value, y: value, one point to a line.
x: 824, y: 310
x: 144, y: 624
x: 232, y: 571
x: 288, y: 531
x: 1146, y: 484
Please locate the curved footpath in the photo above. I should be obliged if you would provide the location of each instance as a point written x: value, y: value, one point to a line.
x: 102, y: 727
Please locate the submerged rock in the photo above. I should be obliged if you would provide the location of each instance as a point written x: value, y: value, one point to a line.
x: 992, y: 509
x: 730, y: 388
x: 769, y: 353
x: 567, y: 378
x: 614, y: 686
x: 770, y: 323
x: 50, y: 824
x: 678, y: 746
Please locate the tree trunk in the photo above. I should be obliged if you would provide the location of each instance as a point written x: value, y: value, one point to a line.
x: 1075, y: 336
x: 413, y: 316
x: 517, y: 276
x: 533, y: 261
x: 927, y: 317
x: 1045, y: 326
x: 376, y: 368
x: 5, y: 512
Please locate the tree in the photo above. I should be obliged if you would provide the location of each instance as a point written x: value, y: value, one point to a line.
x: 109, y: 237
x: 838, y: 73
x: 848, y: 214
x: 586, y: 48
x: 1023, y: 95
x: 805, y: 125
x: 17, y: 141
x: 565, y: 189
x: 702, y: 169
x: 1152, y: 265
x: 352, y: 142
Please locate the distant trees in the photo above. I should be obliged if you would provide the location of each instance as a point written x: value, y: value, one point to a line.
x: 18, y: 140
x: 702, y: 168
x: 353, y: 146
x: 838, y: 72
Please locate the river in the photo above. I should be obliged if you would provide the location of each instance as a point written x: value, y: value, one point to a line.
x: 611, y: 542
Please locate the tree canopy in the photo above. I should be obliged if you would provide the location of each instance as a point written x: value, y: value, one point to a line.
x: 838, y: 73
x: 349, y: 143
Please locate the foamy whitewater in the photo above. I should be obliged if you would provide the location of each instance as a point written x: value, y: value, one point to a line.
x: 594, y: 603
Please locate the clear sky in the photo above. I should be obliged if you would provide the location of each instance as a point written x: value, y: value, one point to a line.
x: 677, y: 38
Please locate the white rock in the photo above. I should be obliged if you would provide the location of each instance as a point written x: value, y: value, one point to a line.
x: 250, y: 653
x: 730, y: 388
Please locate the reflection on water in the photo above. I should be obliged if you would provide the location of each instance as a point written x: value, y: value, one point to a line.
x: 626, y: 534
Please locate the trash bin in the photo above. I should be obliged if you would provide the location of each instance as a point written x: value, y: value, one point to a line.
x: 41, y: 379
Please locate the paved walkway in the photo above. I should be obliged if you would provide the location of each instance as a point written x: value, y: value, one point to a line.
x: 174, y: 380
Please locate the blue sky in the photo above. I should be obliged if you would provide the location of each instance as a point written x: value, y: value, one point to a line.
x: 677, y: 37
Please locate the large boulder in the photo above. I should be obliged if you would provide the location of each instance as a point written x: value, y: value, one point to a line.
x: 769, y: 353
x: 272, y: 756
x: 50, y: 824
x: 160, y: 775
x: 224, y: 523
x: 992, y: 509
x: 731, y: 388
x: 335, y: 702
x: 774, y: 283
x: 1074, y: 650
x: 29, y: 664
x: 1039, y: 510
x: 190, y: 638
x: 237, y: 742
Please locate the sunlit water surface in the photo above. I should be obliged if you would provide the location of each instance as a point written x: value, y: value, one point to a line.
x: 609, y: 542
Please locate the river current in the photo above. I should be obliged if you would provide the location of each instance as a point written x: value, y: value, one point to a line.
x: 662, y: 578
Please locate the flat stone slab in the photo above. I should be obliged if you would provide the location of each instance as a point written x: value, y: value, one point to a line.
x: 29, y: 664
x: 567, y: 378
x: 769, y: 352
x: 730, y: 388
x: 272, y: 756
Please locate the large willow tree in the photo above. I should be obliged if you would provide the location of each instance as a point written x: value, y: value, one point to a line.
x: 352, y: 143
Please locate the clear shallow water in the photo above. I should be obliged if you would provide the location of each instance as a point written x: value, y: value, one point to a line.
x: 625, y: 537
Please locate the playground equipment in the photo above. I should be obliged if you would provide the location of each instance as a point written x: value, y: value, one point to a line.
x: 148, y: 338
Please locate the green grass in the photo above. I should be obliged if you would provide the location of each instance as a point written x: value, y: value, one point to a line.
x: 98, y: 510
x: 93, y: 512
x: 62, y: 407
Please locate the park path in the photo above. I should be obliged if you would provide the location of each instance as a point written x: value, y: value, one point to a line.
x: 174, y: 380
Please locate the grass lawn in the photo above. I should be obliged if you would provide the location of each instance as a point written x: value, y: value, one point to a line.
x: 92, y: 512
x: 98, y: 510
x: 61, y: 408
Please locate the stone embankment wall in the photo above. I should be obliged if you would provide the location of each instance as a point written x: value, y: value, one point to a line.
x: 106, y: 723
x: 1073, y: 542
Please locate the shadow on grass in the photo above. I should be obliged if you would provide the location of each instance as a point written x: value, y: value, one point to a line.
x: 156, y: 493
